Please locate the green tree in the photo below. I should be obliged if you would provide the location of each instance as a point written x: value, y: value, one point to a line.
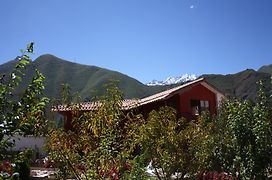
x: 100, y: 144
x: 21, y: 114
x: 164, y: 143
x: 239, y: 140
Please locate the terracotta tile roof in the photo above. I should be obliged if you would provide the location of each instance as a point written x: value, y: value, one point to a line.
x: 90, y: 106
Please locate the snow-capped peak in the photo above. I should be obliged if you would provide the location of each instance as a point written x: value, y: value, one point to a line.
x: 173, y: 80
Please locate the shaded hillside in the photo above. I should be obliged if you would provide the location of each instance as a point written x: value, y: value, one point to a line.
x: 89, y: 81
x: 243, y: 84
x: 6, y: 67
x: 266, y: 69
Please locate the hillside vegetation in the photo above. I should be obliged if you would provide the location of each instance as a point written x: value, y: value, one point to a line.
x: 90, y: 81
x: 242, y: 85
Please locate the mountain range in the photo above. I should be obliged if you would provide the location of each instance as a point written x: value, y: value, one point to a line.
x: 89, y: 81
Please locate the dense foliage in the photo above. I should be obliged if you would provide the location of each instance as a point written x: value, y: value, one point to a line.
x: 100, y: 144
x: 20, y: 113
x: 113, y: 143
x: 164, y: 144
x: 238, y: 141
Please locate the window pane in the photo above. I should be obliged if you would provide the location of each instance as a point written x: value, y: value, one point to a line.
x: 202, y: 104
x: 206, y: 104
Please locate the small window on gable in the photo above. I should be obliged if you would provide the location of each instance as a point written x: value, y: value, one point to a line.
x: 204, y: 105
x: 199, y: 106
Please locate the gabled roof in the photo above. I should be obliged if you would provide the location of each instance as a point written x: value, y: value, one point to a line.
x: 132, y: 103
x: 165, y: 94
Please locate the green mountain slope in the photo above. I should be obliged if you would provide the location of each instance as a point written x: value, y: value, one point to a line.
x: 89, y: 81
x: 8, y: 66
x: 266, y: 69
x: 243, y: 84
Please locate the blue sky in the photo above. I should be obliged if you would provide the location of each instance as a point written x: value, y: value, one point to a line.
x: 145, y: 39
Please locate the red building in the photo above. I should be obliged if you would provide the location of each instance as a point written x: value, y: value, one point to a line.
x: 189, y: 100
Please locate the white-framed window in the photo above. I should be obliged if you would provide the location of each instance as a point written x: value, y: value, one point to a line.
x: 199, y: 106
x: 204, y: 105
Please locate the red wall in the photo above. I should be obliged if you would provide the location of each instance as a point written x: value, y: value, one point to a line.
x: 198, y: 92
x: 182, y: 102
